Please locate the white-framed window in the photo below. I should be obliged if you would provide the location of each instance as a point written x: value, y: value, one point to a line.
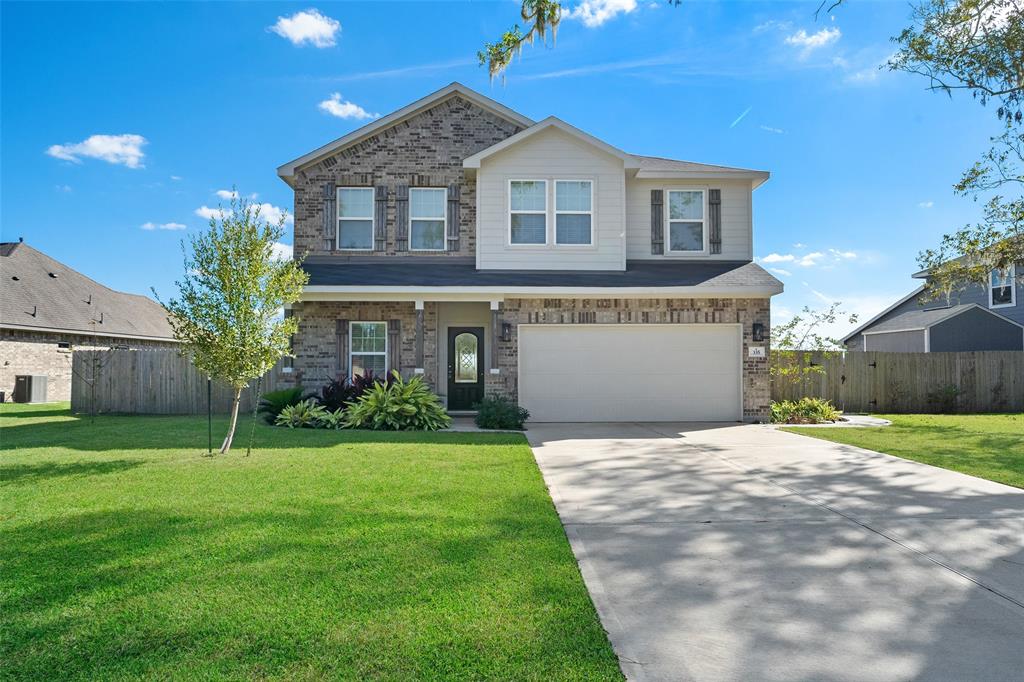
x: 1002, y: 288
x: 355, y: 218
x: 574, y: 215
x: 368, y: 348
x: 428, y: 213
x: 528, y: 212
x: 687, y: 231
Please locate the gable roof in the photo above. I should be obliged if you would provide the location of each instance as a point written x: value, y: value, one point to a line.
x: 659, y: 167
x: 42, y: 294
x: 885, y: 312
x: 287, y: 171
x: 914, y: 320
x: 551, y: 122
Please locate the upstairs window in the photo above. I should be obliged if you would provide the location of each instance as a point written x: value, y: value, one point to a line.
x: 355, y: 218
x: 369, y: 348
x: 427, y: 215
x: 686, y: 229
x: 1001, y: 288
x: 528, y: 210
x: 573, y: 212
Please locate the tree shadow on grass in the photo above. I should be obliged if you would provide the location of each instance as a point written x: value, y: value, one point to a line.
x: 47, y: 470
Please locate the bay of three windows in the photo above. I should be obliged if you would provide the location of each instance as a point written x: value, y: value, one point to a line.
x: 573, y: 212
x: 427, y: 218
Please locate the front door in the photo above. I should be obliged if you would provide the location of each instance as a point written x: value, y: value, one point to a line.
x: 465, y: 367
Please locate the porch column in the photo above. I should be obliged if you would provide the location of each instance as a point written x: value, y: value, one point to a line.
x: 394, y: 349
x: 495, y: 335
x: 419, y: 337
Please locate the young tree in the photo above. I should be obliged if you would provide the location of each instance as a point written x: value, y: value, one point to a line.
x: 976, y: 46
x: 228, y: 310
x: 793, y: 342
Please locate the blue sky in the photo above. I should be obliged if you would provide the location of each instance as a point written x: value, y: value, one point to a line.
x: 197, y: 98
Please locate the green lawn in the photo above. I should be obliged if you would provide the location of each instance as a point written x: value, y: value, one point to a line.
x: 127, y: 553
x: 986, y: 445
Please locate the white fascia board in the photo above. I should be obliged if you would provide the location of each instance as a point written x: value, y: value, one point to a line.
x: 395, y: 293
x: 474, y: 160
x: 757, y: 178
x: 287, y: 171
x: 896, y: 331
x: 87, y: 332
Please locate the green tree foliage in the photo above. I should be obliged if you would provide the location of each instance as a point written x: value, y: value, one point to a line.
x: 228, y: 310
x: 794, y: 343
x: 976, y: 46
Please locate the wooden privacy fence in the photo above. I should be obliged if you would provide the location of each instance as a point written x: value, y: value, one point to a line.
x: 156, y: 381
x: 989, y: 381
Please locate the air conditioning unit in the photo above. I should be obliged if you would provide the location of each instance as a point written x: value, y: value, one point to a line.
x: 30, y: 388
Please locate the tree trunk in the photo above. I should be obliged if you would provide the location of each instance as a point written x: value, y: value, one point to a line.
x: 234, y: 422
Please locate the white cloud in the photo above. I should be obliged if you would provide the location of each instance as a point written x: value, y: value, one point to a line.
x: 799, y: 245
x: 176, y: 178
x: 925, y: 204
x: 282, y: 251
x: 808, y: 42
x: 773, y: 25
x: 344, y: 109
x: 208, y: 213
x: 777, y: 131
x: 125, y: 150
x: 268, y: 212
x: 63, y: 188
x: 842, y: 255
x: 810, y: 260
x: 780, y: 271
x: 778, y: 258
x: 308, y: 26
x: 593, y: 13
x: 162, y: 226
x: 229, y: 194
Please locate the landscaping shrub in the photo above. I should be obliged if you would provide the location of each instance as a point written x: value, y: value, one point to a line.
x: 274, y: 401
x: 305, y: 414
x: 338, y: 393
x: 397, y: 405
x: 500, y: 413
x: 944, y: 399
x: 804, y: 411
x: 331, y: 419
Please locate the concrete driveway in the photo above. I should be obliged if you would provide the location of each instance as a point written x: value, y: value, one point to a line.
x: 739, y: 552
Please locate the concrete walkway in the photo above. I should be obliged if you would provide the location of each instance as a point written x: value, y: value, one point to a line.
x: 740, y: 552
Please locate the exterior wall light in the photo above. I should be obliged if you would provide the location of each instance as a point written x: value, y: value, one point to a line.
x: 506, y: 331
x: 758, y: 332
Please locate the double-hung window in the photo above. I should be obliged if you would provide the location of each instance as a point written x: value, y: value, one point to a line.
x: 355, y: 218
x: 368, y: 348
x: 573, y: 212
x: 528, y: 212
x: 1001, y: 288
x: 427, y: 216
x: 686, y: 231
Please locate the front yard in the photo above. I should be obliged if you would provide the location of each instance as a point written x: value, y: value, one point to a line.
x: 985, y: 445
x: 326, y: 554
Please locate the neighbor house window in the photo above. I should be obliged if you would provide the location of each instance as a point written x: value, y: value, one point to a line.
x: 369, y: 348
x: 355, y: 218
x: 528, y: 210
x: 427, y: 218
x: 686, y: 220
x: 1001, y: 288
x: 573, y: 215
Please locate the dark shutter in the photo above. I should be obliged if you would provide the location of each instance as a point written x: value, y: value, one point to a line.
x: 394, y: 327
x: 715, y: 220
x: 657, y: 222
x: 341, y: 339
x: 289, y: 359
x: 453, y: 217
x: 402, y: 218
x: 380, y: 219
x: 330, y: 216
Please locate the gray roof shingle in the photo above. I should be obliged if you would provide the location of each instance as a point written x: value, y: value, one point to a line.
x: 919, y: 319
x: 37, y: 291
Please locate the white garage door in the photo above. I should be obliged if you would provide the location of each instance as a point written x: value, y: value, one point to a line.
x: 630, y: 372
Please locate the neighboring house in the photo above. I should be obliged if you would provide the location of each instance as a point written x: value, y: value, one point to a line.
x: 492, y: 254
x: 47, y: 310
x: 980, y: 317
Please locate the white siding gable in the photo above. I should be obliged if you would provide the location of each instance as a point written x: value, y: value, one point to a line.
x: 737, y: 243
x: 551, y: 155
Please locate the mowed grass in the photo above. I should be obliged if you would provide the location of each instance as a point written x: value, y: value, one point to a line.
x: 985, y: 445
x: 127, y: 553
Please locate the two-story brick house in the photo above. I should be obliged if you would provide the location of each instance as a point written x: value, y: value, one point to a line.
x: 492, y: 254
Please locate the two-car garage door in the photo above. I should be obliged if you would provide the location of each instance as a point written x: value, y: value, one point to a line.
x: 681, y: 372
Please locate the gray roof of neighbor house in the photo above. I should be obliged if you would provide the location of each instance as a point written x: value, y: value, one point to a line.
x: 39, y: 293
x: 402, y: 272
x: 922, y: 319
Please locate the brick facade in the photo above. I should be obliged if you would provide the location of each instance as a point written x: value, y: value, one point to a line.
x: 424, y: 151
x: 316, y: 344
x: 25, y: 352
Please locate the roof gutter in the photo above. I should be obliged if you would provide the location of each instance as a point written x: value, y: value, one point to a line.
x: 463, y: 293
